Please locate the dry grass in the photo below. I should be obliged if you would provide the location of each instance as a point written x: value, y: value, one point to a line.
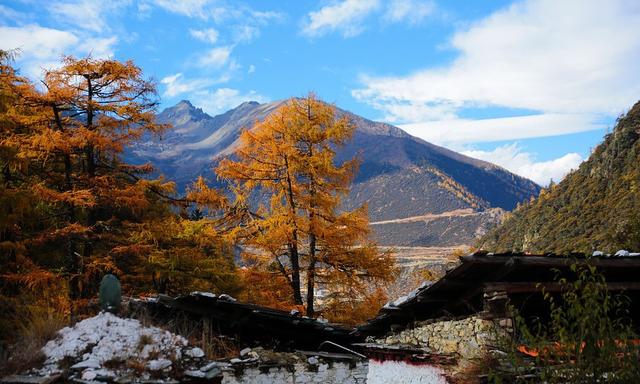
x: 200, y: 333
x: 37, y: 327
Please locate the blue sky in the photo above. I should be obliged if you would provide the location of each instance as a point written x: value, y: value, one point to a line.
x: 529, y: 85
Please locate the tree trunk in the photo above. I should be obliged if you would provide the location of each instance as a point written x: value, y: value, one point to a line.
x: 295, y: 272
x: 294, y: 255
x: 90, y: 160
x: 311, y: 275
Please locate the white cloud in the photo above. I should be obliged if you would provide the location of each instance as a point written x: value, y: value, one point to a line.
x: 460, y: 131
x: 11, y: 15
x: 244, y: 33
x: 223, y: 99
x: 208, y: 35
x: 190, y: 8
x: 511, y: 157
x: 411, y: 11
x: 177, y: 84
x: 251, y: 69
x: 99, y: 47
x: 571, y: 58
x: 36, y: 41
x: 86, y: 14
x: 215, y: 57
x: 39, y: 47
x: 217, y: 11
x: 345, y: 16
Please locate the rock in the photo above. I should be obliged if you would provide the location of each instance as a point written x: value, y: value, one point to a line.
x: 313, y: 360
x: 110, y: 293
x: 213, y: 365
x: 90, y: 363
x: 27, y: 379
x: 159, y: 364
x: 244, y: 352
x: 192, y: 373
x: 235, y: 360
x: 195, y: 352
x: 505, y: 323
x: 89, y: 375
x: 215, y: 372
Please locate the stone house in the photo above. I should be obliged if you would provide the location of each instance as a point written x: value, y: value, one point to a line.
x: 466, y: 313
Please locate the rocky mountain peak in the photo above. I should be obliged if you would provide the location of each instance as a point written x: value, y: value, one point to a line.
x: 418, y: 194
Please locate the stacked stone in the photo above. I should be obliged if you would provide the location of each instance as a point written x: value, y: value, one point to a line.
x: 466, y: 338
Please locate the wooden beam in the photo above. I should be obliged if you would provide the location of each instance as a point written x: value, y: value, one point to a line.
x: 477, y: 287
x: 529, y: 287
x: 542, y: 261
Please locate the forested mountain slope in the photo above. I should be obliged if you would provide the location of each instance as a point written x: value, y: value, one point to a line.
x: 596, y: 207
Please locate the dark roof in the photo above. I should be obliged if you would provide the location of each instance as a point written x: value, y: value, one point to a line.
x: 252, y: 324
x: 460, y: 292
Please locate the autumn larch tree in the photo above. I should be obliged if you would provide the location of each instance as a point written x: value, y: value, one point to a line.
x: 73, y: 208
x: 290, y: 156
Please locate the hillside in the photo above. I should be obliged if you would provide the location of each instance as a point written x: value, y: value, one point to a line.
x: 400, y: 177
x: 596, y: 207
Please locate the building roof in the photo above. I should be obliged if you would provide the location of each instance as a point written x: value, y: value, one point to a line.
x: 253, y: 324
x: 460, y: 292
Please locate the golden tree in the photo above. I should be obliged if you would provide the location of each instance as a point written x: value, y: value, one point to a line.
x: 290, y: 157
x: 72, y: 207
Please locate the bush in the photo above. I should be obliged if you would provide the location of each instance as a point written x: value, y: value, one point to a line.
x: 588, y: 338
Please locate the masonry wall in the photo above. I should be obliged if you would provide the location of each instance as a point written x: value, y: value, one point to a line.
x: 394, y: 372
x: 466, y: 337
x: 300, y: 373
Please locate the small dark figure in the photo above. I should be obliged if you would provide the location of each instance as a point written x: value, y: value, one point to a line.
x: 110, y: 293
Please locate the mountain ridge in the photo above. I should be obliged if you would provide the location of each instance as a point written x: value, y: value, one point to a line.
x: 400, y: 175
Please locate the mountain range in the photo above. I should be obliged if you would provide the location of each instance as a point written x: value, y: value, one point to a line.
x: 418, y: 193
x: 594, y: 208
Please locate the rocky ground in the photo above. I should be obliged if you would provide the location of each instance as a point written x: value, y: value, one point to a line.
x: 109, y: 349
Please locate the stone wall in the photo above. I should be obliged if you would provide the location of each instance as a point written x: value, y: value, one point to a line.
x: 466, y: 337
x: 335, y: 372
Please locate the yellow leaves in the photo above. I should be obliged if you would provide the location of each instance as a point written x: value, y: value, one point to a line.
x: 78, y: 198
x: 289, y: 159
x: 200, y: 193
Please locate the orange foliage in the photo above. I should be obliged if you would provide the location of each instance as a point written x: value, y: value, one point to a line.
x: 300, y: 233
x: 72, y: 210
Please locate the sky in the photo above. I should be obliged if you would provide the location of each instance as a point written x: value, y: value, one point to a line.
x: 530, y: 85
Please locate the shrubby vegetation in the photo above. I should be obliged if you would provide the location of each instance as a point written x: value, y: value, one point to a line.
x: 588, y: 337
x: 596, y: 207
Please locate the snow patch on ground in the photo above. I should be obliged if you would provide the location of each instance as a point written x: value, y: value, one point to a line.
x: 106, y: 338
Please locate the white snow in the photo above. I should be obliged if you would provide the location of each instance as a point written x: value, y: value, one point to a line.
x: 159, y: 364
x: 205, y: 294
x: 195, y: 352
x: 107, y: 337
x: 622, y: 253
x: 225, y: 297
